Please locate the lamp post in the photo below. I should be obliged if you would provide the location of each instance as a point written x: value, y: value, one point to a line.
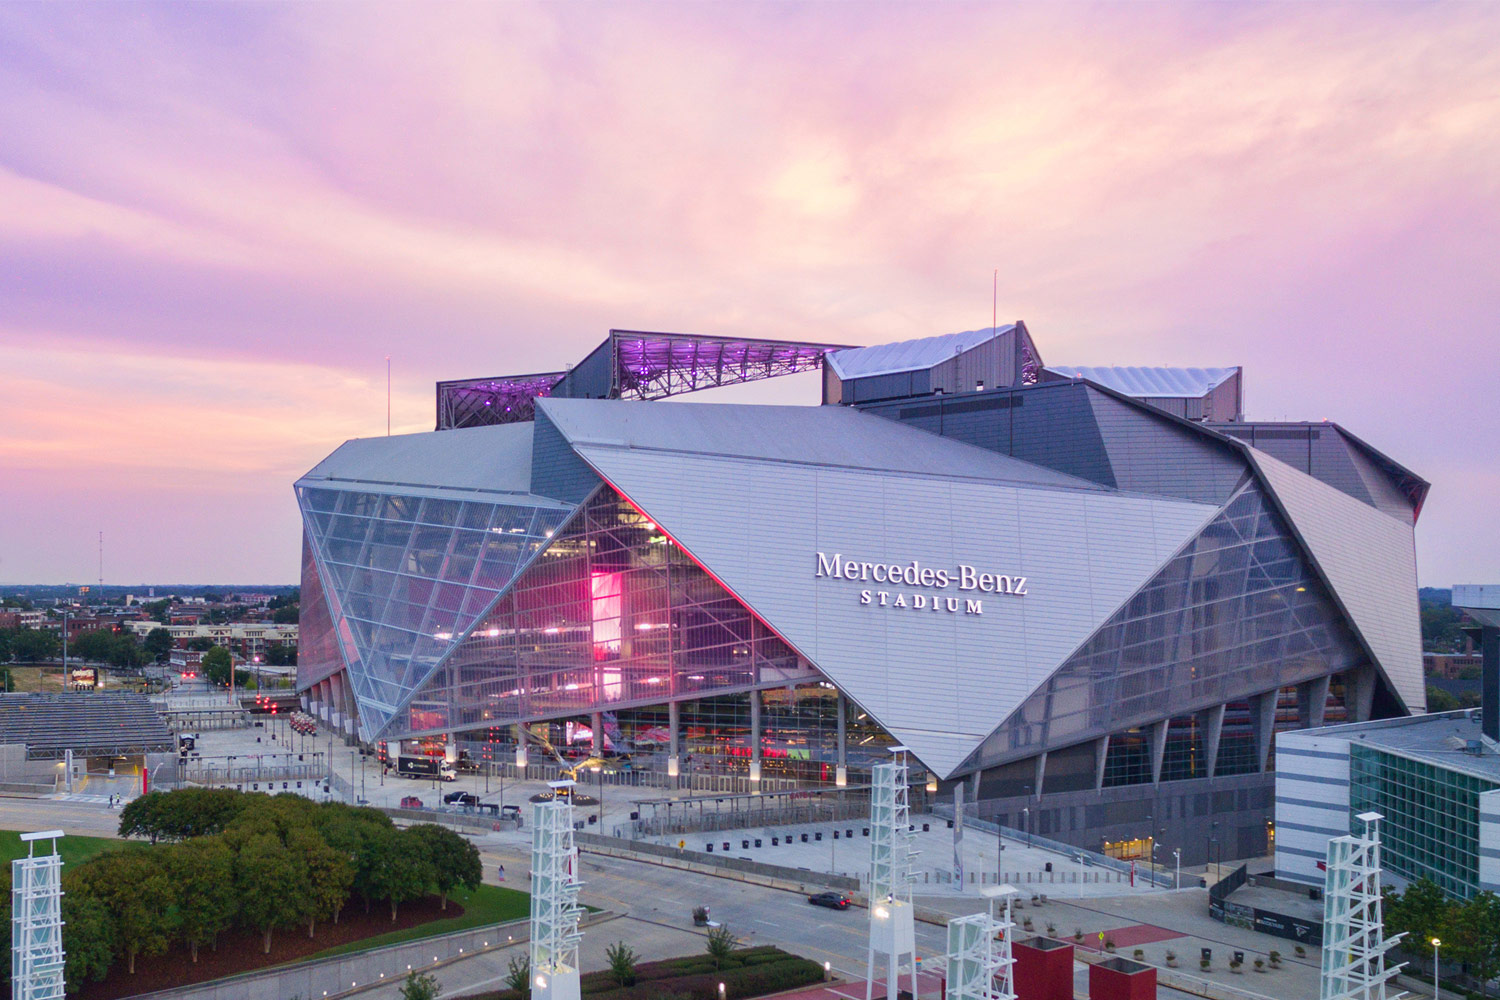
x: 1026, y: 820
x: 1177, y: 856
x: 1436, y: 944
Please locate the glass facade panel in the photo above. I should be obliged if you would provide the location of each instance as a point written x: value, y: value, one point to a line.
x: 612, y: 614
x: 1431, y: 826
x: 317, y: 643
x: 1235, y: 613
x: 408, y: 575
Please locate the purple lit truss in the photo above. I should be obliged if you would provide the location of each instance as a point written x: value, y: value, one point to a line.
x: 657, y: 365
x: 641, y: 366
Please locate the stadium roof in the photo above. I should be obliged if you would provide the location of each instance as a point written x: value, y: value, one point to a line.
x: 1155, y: 383
x: 909, y: 355
x: 91, y: 724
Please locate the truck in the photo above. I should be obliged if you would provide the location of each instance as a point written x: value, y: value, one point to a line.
x: 425, y: 767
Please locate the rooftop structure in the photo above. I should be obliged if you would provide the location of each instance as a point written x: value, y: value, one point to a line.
x: 630, y: 364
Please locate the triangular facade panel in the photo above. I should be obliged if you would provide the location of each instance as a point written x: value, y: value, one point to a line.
x: 935, y: 679
x: 611, y: 615
x: 1238, y: 611
x: 1370, y: 560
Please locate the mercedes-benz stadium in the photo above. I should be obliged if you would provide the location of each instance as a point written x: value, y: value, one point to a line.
x: 1091, y: 595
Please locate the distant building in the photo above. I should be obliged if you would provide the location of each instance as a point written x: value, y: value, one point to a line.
x: 1449, y: 665
x: 245, y: 639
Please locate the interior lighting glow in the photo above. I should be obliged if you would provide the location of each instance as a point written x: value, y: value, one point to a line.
x: 881, y: 912
x: 653, y: 680
x: 695, y: 677
x: 644, y: 626
x: 551, y: 631
x: 492, y: 632
x: 570, y: 687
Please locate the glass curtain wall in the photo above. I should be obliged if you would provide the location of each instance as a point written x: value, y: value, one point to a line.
x: 1431, y: 827
x: 1236, y: 612
x: 611, y: 615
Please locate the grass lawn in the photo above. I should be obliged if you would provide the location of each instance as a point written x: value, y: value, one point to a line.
x: 72, y: 849
x: 489, y: 904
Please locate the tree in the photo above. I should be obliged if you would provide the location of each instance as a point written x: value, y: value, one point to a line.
x: 353, y: 832
x: 88, y: 935
x: 420, y: 986
x: 30, y: 645
x: 216, y: 664
x: 1471, y: 935
x: 401, y: 870
x: 139, y: 896
x: 1439, y: 700
x: 455, y: 861
x: 1419, y: 913
x: 158, y: 644
x: 720, y: 945
x: 200, y: 644
x: 201, y: 869
x: 622, y: 959
x: 181, y: 814
x: 269, y: 881
x: 158, y: 609
x: 286, y: 616
x: 518, y: 974
x: 93, y: 645
x: 329, y: 876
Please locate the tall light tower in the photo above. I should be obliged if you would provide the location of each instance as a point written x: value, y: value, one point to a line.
x: 36, y: 948
x: 1354, y: 945
x: 554, y: 898
x: 892, y: 928
x: 979, y: 955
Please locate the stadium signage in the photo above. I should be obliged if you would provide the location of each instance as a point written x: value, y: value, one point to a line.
x: 965, y: 578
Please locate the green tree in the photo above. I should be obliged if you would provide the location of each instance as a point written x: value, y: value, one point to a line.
x: 158, y: 609
x: 622, y: 960
x: 420, y: 986
x: 94, y: 645
x: 158, y: 644
x: 183, y: 813
x: 202, y: 869
x: 216, y: 664
x: 721, y: 944
x: 1439, y: 700
x: 139, y: 897
x: 518, y: 975
x: 1471, y: 935
x: 1419, y: 913
x: 88, y: 935
x: 200, y: 644
x: 329, y: 876
x: 270, y: 883
x: 353, y: 834
x: 32, y: 645
x: 286, y: 616
x: 401, y: 870
x: 455, y: 861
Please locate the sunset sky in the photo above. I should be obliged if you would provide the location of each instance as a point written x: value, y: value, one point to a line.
x: 217, y: 220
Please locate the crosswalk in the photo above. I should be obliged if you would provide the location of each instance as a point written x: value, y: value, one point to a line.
x: 80, y: 797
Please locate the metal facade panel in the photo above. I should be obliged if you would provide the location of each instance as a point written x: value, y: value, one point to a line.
x: 1146, y: 383
x: 804, y: 435
x: 939, y: 681
x: 1312, y: 802
x: 555, y: 470
x: 1370, y: 562
x: 908, y: 355
x: 1153, y: 455
x: 492, y: 459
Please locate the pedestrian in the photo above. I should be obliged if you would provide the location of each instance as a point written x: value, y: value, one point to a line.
x: 502, y: 873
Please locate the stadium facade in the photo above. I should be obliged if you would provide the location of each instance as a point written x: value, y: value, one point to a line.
x: 1092, y: 595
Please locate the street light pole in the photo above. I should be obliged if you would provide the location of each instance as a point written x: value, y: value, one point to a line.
x: 1435, y: 945
x: 1177, y: 856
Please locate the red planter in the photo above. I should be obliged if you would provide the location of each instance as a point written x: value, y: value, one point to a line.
x: 1043, y: 969
x: 1122, y: 979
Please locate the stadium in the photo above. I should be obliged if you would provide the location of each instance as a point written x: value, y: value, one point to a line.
x: 1090, y: 596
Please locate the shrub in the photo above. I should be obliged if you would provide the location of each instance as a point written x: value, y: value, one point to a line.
x: 1051, y: 929
x: 1203, y: 964
x: 1109, y: 944
x: 720, y: 945
x: 1078, y: 934
x: 518, y: 974
x: 622, y: 959
x: 1275, y: 957
x: 1234, y: 965
x: 420, y: 986
x: 1139, y: 954
x: 1260, y: 965
x: 1301, y: 951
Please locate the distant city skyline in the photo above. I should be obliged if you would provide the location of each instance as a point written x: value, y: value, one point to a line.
x: 218, y: 220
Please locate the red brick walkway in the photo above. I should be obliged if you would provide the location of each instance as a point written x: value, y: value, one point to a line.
x: 1131, y: 936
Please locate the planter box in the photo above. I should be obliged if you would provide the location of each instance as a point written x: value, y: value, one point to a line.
x: 1121, y: 979
x: 1043, y: 969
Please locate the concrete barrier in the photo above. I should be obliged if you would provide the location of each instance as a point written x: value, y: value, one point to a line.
x: 758, y: 872
x: 345, y: 975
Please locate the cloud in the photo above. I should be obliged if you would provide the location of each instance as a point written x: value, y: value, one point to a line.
x: 194, y: 194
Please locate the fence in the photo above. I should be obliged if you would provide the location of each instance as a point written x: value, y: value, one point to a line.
x: 746, y: 812
x: 1097, y: 860
x: 715, y: 863
x: 1043, y: 878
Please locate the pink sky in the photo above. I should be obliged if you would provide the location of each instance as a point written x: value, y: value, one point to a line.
x: 217, y: 220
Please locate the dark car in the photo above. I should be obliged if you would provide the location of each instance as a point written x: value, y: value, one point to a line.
x: 832, y: 900
x: 461, y: 799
